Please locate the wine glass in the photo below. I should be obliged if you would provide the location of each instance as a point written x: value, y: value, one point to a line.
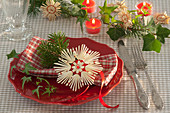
x: 16, y: 13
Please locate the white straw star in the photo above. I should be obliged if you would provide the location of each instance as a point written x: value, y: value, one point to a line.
x: 78, y: 67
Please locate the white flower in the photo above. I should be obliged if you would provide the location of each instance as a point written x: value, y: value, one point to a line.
x: 125, y: 17
x: 51, y: 9
x: 78, y: 67
x: 161, y: 18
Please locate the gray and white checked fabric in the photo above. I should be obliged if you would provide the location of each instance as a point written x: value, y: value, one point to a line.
x: 123, y: 94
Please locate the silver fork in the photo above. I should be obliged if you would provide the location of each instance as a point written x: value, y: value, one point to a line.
x: 140, y: 63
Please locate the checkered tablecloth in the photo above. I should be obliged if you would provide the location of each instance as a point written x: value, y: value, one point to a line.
x: 123, y: 94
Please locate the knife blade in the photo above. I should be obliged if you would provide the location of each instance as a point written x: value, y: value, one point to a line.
x: 140, y: 93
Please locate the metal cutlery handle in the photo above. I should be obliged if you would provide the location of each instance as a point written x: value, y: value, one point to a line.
x: 140, y: 93
x: 157, y: 100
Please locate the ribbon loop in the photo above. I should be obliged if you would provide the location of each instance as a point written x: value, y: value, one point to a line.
x: 100, y: 93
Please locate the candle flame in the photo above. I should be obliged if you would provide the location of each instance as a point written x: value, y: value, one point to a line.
x: 144, y: 3
x: 93, y: 21
x: 151, y: 5
x: 87, y: 2
x: 165, y: 13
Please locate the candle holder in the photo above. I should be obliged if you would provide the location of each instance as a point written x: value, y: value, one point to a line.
x: 90, y: 6
x: 93, y: 27
x: 144, y: 7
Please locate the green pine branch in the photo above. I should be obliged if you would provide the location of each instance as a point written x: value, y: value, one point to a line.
x: 50, y: 50
x: 34, y: 7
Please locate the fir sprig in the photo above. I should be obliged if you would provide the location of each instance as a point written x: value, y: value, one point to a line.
x: 34, y: 7
x: 50, y: 50
x: 73, y: 9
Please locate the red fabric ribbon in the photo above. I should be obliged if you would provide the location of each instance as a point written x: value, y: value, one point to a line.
x: 100, y: 93
x: 78, y: 95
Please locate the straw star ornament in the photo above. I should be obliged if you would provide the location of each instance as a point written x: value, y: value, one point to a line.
x: 121, y: 6
x: 51, y: 9
x: 78, y: 67
x: 125, y: 17
x: 161, y: 18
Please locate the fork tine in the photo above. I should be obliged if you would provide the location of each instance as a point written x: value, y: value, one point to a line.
x: 134, y: 54
x: 140, y: 53
x: 137, y: 53
x: 138, y: 56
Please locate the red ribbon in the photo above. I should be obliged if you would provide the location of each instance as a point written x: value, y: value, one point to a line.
x: 77, y: 95
x: 83, y: 91
x: 100, y: 93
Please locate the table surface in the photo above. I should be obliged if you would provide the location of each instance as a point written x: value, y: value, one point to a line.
x: 123, y: 94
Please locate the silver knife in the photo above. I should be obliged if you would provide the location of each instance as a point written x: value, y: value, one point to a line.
x: 140, y: 93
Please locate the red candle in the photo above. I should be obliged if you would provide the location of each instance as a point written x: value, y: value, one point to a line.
x: 90, y: 6
x: 93, y: 26
x: 144, y: 8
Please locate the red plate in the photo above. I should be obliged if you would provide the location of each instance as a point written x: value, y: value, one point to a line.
x: 63, y: 95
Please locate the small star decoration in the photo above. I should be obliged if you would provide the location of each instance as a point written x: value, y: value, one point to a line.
x: 125, y: 17
x: 51, y: 9
x: 121, y: 6
x: 161, y: 18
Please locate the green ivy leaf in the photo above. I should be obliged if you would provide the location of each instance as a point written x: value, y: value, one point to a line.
x: 28, y: 67
x: 137, y: 16
x: 116, y: 33
x: 132, y: 11
x: 106, y: 18
x: 37, y: 91
x: 116, y: 21
x: 162, y: 33
x: 37, y: 83
x: 11, y: 70
x: 25, y: 79
x: 13, y: 54
x: 49, y: 90
x: 77, y: 1
x: 151, y: 44
x: 41, y: 79
x: 82, y: 19
x: 107, y: 10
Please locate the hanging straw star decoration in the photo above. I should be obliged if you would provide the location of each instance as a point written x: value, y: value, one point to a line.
x: 78, y: 67
x: 51, y: 9
x: 125, y: 17
x: 121, y: 6
x: 161, y: 18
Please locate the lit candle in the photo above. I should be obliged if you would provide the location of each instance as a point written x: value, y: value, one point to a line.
x: 90, y: 6
x: 144, y: 8
x: 93, y: 26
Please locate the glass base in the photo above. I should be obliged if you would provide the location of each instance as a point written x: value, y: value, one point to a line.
x: 92, y: 32
x: 92, y: 35
x: 18, y: 33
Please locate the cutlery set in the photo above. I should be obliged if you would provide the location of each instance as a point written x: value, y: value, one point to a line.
x: 139, y: 63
